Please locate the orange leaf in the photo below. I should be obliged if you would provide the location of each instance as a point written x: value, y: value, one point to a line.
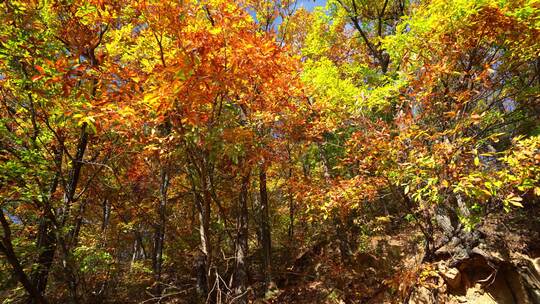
x: 40, y: 69
x: 36, y: 78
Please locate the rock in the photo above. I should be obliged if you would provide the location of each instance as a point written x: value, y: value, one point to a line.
x: 490, y: 255
x: 528, y: 270
x: 421, y: 295
x: 451, y: 276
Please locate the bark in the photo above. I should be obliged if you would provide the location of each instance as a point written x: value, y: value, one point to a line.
x: 49, y: 231
x: 241, y: 246
x: 291, y: 211
x: 202, y: 278
x: 457, y: 241
x: 375, y: 50
x: 203, y: 261
x: 291, y: 218
x: 326, y: 164
x: 265, y: 229
x: 205, y: 222
x: 106, y: 215
x: 159, y: 237
x: 75, y: 172
x: 7, y: 248
x: 344, y: 246
x: 143, y: 251
x: 69, y: 198
x: 74, y: 239
x: 46, y: 244
x: 135, y: 254
x: 46, y: 241
x: 139, y: 252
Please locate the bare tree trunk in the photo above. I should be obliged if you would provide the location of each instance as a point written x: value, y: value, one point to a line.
x: 106, y: 215
x: 135, y: 253
x: 202, y: 278
x: 291, y: 211
x: 290, y: 231
x: 139, y: 252
x: 265, y: 228
x: 206, y: 211
x: 202, y: 263
x: 241, y: 246
x: 159, y: 237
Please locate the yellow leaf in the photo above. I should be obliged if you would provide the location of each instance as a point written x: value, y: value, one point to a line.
x: 445, y: 183
x: 514, y: 200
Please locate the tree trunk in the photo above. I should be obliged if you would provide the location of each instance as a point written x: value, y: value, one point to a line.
x: 7, y: 248
x: 74, y: 174
x: 202, y: 263
x: 74, y: 238
x: 326, y: 164
x: 49, y: 237
x: 344, y: 246
x: 106, y: 215
x: 205, y: 236
x: 69, y: 198
x: 46, y: 241
x: 135, y: 253
x: 241, y: 246
x: 291, y: 211
x: 159, y: 237
x: 46, y: 244
x: 456, y: 240
x: 202, y: 278
x: 265, y: 229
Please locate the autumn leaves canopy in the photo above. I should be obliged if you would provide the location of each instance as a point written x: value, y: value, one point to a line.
x: 152, y: 136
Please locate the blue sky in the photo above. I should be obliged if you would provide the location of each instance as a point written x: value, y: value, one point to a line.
x: 310, y: 4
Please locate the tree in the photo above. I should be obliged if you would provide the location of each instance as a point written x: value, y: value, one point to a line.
x: 216, y: 151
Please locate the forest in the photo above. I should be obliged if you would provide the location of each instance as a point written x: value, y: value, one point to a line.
x: 270, y: 151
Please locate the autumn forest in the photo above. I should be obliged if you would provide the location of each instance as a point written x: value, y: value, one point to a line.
x: 269, y: 151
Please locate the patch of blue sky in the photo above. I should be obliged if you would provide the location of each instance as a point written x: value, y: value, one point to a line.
x: 309, y: 5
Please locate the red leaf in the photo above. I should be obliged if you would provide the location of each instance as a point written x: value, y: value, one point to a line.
x: 40, y: 69
x: 36, y: 78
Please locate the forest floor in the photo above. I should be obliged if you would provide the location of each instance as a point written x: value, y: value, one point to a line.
x: 504, y: 268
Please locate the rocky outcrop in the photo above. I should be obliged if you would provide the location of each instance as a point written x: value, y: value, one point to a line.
x: 484, y: 278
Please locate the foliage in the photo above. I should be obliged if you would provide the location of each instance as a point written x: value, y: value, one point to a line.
x: 153, y: 150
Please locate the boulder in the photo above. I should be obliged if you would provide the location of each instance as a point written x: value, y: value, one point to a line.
x: 421, y: 295
x: 451, y: 276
